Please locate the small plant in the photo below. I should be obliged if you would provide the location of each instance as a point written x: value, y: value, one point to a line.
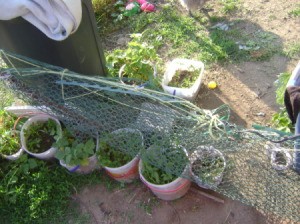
x: 280, y: 120
x: 295, y: 12
x: 40, y: 136
x: 72, y: 151
x: 138, y: 61
x: 207, y: 166
x: 185, y: 78
x: 229, y: 5
x: 9, y: 138
x: 118, y: 148
x: 163, y: 165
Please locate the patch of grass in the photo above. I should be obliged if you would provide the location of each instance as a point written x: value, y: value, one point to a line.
x: 295, y: 12
x: 241, y: 46
x: 33, y: 191
x: 149, y: 204
x: 292, y: 50
x: 183, y: 36
x: 229, y: 6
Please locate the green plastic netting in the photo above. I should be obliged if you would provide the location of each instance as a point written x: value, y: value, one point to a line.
x: 231, y: 160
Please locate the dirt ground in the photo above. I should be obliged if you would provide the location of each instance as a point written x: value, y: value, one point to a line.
x: 248, y: 88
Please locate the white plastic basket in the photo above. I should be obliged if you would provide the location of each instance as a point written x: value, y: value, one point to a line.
x: 183, y: 64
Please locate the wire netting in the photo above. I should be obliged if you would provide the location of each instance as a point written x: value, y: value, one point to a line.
x: 224, y: 157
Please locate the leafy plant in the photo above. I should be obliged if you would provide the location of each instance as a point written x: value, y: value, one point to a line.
x: 280, y: 120
x: 208, y: 167
x: 295, y: 12
x: 280, y: 84
x: 9, y: 138
x: 118, y: 148
x: 185, y: 78
x: 72, y: 151
x: 139, y: 60
x: 230, y: 5
x: 111, y: 157
x: 32, y: 189
x: 162, y: 165
x: 40, y: 136
x: 292, y: 50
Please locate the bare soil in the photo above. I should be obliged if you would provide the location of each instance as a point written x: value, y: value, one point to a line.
x: 248, y: 88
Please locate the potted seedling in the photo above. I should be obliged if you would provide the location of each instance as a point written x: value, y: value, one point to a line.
x: 161, y: 169
x: 207, y: 166
x: 77, y: 153
x: 119, y: 153
x: 10, y: 144
x: 134, y: 65
x: 183, y: 78
x: 38, y: 134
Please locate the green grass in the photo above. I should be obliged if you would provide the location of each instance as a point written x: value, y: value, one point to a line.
x: 292, y: 50
x: 229, y: 6
x: 295, y: 12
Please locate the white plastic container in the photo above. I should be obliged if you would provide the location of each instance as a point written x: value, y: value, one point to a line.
x: 128, y: 172
x: 14, y: 156
x: 93, y: 164
x: 183, y: 64
x: 48, y: 154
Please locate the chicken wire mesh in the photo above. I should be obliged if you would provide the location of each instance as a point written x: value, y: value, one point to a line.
x: 238, y: 163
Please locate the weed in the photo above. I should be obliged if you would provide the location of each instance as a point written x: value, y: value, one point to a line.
x: 33, y: 192
x: 292, y: 50
x: 280, y: 120
x: 229, y: 6
x: 295, y: 12
x: 9, y: 138
x: 149, y: 204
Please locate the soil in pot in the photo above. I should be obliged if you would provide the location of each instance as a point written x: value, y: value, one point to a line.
x: 40, y: 136
x: 184, y: 78
x: 208, y: 168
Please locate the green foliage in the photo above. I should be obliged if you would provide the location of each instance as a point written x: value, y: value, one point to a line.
x: 295, y: 12
x: 120, y: 147
x: 40, y: 136
x: 32, y: 191
x: 280, y: 84
x: 170, y: 162
x: 155, y: 175
x: 183, y: 35
x: 139, y: 60
x: 292, y: 50
x: 208, y: 167
x: 111, y: 157
x: 9, y: 138
x: 185, y: 78
x: 72, y: 151
x: 280, y: 120
x: 230, y: 5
